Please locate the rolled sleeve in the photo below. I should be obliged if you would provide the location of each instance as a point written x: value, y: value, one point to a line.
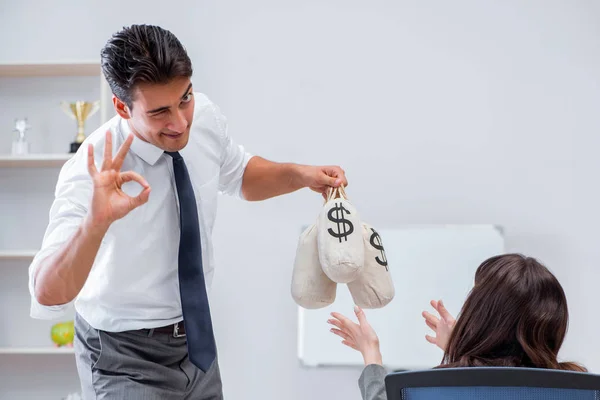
x: 66, y: 214
x: 234, y: 159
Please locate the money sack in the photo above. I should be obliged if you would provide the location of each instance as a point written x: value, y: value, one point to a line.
x: 339, y: 238
x: 311, y: 288
x: 373, y: 288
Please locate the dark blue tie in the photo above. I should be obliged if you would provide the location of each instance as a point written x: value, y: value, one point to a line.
x: 194, y: 300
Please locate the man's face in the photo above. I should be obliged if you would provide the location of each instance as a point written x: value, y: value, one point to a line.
x: 161, y: 114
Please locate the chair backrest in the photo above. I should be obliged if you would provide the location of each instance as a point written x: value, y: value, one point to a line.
x: 492, y: 383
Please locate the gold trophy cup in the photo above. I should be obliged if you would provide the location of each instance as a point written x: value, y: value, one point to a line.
x: 80, y: 111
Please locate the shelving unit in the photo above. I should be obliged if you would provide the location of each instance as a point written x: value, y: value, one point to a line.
x: 37, y: 342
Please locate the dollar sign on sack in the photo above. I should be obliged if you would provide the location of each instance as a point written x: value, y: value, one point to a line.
x: 377, y: 244
x: 341, y: 221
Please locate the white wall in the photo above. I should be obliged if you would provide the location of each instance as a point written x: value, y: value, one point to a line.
x: 440, y: 112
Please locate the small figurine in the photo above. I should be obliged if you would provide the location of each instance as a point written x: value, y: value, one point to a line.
x: 62, y: 334
x: 20, y: 146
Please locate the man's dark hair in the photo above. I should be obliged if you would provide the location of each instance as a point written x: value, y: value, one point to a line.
x: 142, y: 54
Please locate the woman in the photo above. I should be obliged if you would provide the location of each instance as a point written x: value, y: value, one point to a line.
x: 515, y: 316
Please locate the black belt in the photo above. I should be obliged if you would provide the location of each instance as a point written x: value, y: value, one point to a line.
x: 178, y: 329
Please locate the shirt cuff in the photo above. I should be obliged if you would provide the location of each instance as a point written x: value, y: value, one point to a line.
x: 37, y: 310
x: 373, y: 370
x: 247, y: 158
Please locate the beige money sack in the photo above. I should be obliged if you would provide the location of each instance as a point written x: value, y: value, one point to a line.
x: 311, y: 288
x: 373, y: 288
x: 339, y: 238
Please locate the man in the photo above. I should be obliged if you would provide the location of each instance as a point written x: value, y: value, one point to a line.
x: 129, y: 237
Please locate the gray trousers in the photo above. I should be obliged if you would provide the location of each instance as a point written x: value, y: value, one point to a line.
x: 140, y: 365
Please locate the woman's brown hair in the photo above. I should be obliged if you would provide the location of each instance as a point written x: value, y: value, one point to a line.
x: 515, y: 316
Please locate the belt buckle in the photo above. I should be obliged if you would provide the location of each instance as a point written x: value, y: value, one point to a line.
x: 176, y: 331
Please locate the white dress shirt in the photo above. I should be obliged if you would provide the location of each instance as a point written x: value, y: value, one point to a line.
x: 133, y: 283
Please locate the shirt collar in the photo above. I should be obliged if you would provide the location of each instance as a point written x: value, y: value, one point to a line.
x: 146, y: 151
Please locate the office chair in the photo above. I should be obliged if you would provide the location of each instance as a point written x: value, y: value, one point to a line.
x: 492, y: 383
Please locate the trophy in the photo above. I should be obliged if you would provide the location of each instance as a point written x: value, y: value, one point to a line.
x: 20, y: 145
x: 79, y: 111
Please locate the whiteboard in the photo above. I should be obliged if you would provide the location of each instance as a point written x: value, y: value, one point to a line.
x: 427, y: 263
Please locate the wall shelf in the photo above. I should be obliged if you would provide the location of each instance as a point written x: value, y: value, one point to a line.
x: 34, y: 160
x: 17, y: 255
x: 65, y: 68
x: 36, y: 350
